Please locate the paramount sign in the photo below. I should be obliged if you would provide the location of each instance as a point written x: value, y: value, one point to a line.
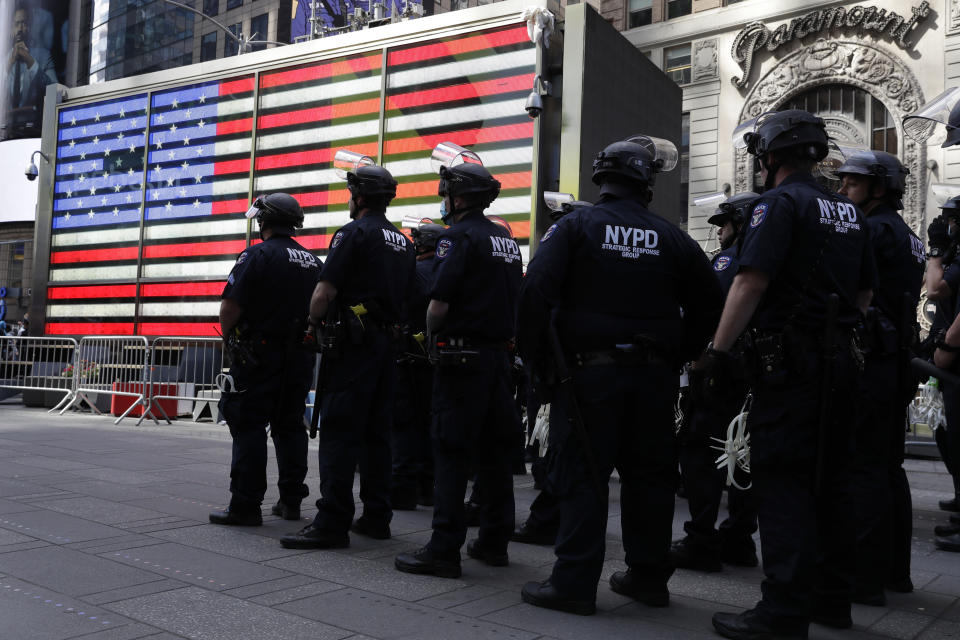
x: 756, y: 35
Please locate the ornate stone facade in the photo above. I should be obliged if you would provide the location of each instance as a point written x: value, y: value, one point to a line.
x: 705, y: 60
x: 953, y: 20
x: 861, y: 64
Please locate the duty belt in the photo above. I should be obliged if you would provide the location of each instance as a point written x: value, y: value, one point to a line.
x: 462, y: 342
x: 617, y: 356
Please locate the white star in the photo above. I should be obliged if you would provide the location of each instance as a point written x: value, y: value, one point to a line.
x: 185, y: 166
x: 201, y: 124
x: 120, y: 136
x: 69, y: 168
x: 103, y: 201
x: 106, y: 152
x: 116, y: 211
x: 155, y: 195
x: 116, y: 188
x: 82, y: 177
x: 109, y: 126
x: 169, y: 182
x: 83, y: 156
x: 69, y: 193
x: 175, y: 103
x: 203, y: 98
x: 199, y: 151
x: 132, y: 149
x: 157, y: 168
x: 159, y: 144
x: 198, y: 178
x: 183, y: 192
x: 90, y: 213
x: 123, y: 112
x: 196, y: 204
x: 160, y: 118
x: 171, y: 155
x: 79, y: 202
x: 173, y: 128
x: 133, y: 122
x: 73, y: 121
x: 168, y: 206
x: 130, y: 171
x: 119, y: 162
x: 83, y: 131
x: 129, y: 198
x: 93, y: 167
x: 106, y: 174
x: 93, y: 191
x: 97, y: 117
x: 187, y: 113
x: 96, y: 140
x: 186, y: 141
x: 66, y: 216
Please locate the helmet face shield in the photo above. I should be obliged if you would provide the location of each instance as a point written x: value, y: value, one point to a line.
x: 254, y: 208
x: 555, y: 200
x: 346, y: 162
x: 922, y: 124
x: 791, y: 128
x: 449, y: 155
x: 663, y: 151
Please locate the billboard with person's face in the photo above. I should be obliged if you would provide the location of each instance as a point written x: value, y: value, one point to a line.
x: 34, y: 36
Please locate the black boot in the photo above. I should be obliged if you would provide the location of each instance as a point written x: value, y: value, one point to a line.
x: 948, y: 543
x: 403, y: 497
x: 471, y: 514
x: 949, y: 505
x: 533, y: 534
x: 235, y: 515
x: 653, y: 593
x: 311, y: 537
x: 741, y: 554
x: 365, y: 527
x: 286, y: 511
x: 688, y: 555
x: 487, y: 556
x: 425, y: 561
x: 750, y: 625
x: 543, y: 594
x: 943, y: 530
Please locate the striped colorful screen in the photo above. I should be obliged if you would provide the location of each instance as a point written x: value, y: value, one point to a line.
x: 143, y: 248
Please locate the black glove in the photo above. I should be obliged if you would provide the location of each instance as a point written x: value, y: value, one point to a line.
x: 938, y: 237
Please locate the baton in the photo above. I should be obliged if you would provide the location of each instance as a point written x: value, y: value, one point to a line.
x: 315, y: 416
x: 929, y: 369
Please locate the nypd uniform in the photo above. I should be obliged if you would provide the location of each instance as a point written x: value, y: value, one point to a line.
x: 371, y: 264
x: 478, y: 271
x: 811, y: 243
x: 272, y: 282
x: 616, y: 276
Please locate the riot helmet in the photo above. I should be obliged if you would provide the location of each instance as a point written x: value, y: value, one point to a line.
x: 951, y: 208
x: 944, y: 109
x: 560, y: 204
x: 881, y: 167
x: 365, y: 178
x: 425, y: 237
x: 462, y: 174
x: 636, y: 160
x: 734, y: 209
x: 278, y: 211
x: 793, y: 132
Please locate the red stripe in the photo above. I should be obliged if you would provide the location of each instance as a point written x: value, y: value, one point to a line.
x: 323, y: 198
x: 92, y: 291
x: 317, y: 115
x: 317, y: 156
x: 461, y: 92
x: 464, y: 138
x: 221, y: 207
x: 221, y: 247
x: 429, y: 187
x: 455, y: 47
x: 315, y: 243
x: 89, y: 328
x: 178, y: 328
x: 236, y: 86
x: 93, y: 255
x: 224, y: 167
x: 317, y: 72
x: 182, y: 289
x: 234, y: 126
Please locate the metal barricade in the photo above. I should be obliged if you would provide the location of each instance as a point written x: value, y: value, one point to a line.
x: 41, y: 367
x: 183, y: 377
x: 114, y: 368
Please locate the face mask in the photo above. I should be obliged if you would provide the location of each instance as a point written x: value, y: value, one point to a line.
x: 444, y: 214
x: 951, y: 230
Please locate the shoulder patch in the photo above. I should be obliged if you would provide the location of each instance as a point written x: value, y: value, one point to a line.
x: 721, y: 263
x: 443, y: 247
x: 242, y: 258
x: 337, y: 239
x: 549, y: 232
x: 759, y: 213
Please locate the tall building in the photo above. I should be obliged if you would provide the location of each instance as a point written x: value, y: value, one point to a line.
x: 119, y: 38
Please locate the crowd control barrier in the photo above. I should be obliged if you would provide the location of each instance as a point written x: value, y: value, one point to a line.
x: 111, y: 369
x: 183, y: 377
x: 40, y: 367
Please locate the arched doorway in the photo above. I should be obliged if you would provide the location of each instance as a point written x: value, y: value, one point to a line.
x: 861, y: 90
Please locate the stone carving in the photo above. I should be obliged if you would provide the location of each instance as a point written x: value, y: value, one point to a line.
x: 705, y: 57
x: 864, y: 65
x: 953, y: 23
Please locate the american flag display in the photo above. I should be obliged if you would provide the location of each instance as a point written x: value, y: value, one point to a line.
x: 144, y: 247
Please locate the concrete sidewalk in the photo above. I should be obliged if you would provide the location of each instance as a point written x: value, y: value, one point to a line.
x: 104, y: 535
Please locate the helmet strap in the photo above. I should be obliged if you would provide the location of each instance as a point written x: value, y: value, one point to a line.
x: 772, y: 170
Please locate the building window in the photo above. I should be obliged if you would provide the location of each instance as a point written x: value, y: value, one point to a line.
x: 211, y: 7
x: 677, y: 8
x: 884, y: 131
x: 233, y: 4
x: 684, y: 165
x: 676, y: 63
x: 641, y: 13
x: 231, y: 46
x: 258, y: 30
x: 208, y: 46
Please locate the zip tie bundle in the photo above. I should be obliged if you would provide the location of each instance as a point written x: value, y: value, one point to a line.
x: 736, y: 448
x: 541, y: 429
x: 927, y: 407
x: 225, y: 384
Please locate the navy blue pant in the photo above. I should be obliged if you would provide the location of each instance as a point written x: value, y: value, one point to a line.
x: 807, y: 540
x: 355, y: 421
x: 273, y: 393
x: 628, y: 414
x: 475, y: 425
x: 412, y: 454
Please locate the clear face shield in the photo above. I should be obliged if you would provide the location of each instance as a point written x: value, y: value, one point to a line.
x: 664, y: 152
x: 921, y: 125
x: 556, y: 201
x: 943, y: 192
x: 707, y: 206
x: 346, y: 162
x: 449, y: 154
x: 254, y: 209
x: 837, y: 155
x: 414, y: 222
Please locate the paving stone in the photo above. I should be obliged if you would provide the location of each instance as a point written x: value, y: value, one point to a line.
x: 120, y: 476
x: 901, y: 624
x: 11, y: 537
x: 24, y: 546
x: 201, y: 614
x: 12, y: 506
x: 230, y: 541
x: 109, y: 490
x: 126, y: 632
x: 367, y: 574
x: 31, y: 612
x: 296, y: 593
x: 56, y: 527
x: 12, y: 487
x: 398, y: 619
x: 931, y: 604
x: 949, y: 585
x: 864, y: 616
x: 216, y: 496
x: 269, y: 586
x: 715, y: 587
x: 71, y: 572
x: 52, y: 464
x: 161, y: 524
x: 99, y: 510
x: 196, y: 566
x: 941, y: 630
x: 458, y: 597
x: 191, y: 509
x: 488, y: 604
x: 125, y: 593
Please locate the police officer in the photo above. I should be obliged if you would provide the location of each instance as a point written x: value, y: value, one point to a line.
x: 805, y: 280
x: 705, y: 548
x: 875, y: 181
x: 471, y: 321
x: 365, y: 279
x: 412, y: 459
x: 262, y: 316
x: 615, y: 276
